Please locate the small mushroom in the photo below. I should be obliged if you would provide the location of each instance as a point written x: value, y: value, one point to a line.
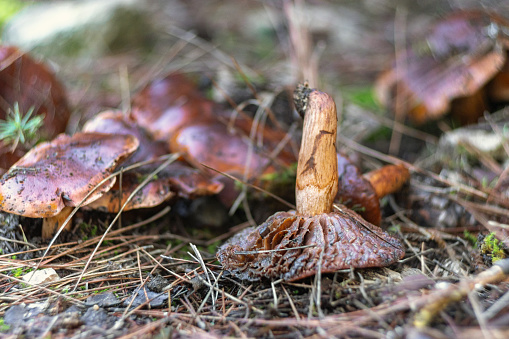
x: 363, y: 192
x: 448, y: 68
x: 30, y: 84
x: 296, y: 244
x: 59, y: 174
x: 176, y: 179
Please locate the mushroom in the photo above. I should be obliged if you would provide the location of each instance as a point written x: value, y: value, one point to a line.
x: 30, y: 84
x: 55, y: 176
x: 167, y: 104
x: 447, y: 69
x: 296, y: 244
x: 171, y: 109
x: 363, y: 192
x: 230, y: 151
x: 214, y: 145
x: 176, y: 179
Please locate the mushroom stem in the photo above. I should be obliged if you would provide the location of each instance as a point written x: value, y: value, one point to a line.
x: 317, y: 169
x: 387, y: 179
x: 51, y: 224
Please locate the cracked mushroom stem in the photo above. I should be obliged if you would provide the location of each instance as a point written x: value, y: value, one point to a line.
x: 317, y: 169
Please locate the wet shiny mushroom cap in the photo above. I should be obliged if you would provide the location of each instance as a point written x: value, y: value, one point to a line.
x: 229, y: 151
x: 167, y: 104
x: 62, y: 172
x: 289, y: 246
x: 116, y: 122
x: 177, y: 179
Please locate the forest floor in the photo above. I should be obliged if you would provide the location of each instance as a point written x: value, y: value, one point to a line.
x: 155, y: 274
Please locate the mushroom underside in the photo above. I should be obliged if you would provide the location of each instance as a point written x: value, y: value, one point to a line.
x: 289, y: 246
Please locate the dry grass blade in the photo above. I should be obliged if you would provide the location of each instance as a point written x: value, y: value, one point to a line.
x: 197, y: 256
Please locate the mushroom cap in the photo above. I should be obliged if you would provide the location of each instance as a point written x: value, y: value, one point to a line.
x: 458, y: 56
x: 213, y: 144
x: 62, y: 172
x: 30, y: 84
x: 175, y: 179
x: 167, y: 104
x: 356, y: 192
x: 116, y: 122
x: 275, y: 248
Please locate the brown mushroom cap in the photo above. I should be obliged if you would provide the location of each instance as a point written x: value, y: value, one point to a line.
x: 167, y: 104
x: 30, y: 84
x: 116, y: 122
x: 275, y: 248
x: 175, y: 179
x: 62, y: 172
x: 227, y: 151
x: 458, y: 56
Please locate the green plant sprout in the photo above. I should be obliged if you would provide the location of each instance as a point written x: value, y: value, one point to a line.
x: 18, y: 128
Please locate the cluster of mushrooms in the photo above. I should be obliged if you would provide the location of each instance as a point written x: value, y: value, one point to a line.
x: 168, y: 115
x: 101, y: 166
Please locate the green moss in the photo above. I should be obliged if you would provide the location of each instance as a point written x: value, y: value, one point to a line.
x: 493, y: 248
x: 3, y: 326
x: 212, y: 248
x: 88, y: 229
x: 142, y: 178
x: 380, y: 133
x: 470, y: 238
x: 280, y: 182
x: 16, y: 273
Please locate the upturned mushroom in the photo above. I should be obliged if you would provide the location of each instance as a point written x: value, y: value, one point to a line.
x: 317, y: 236
x: 55, y: 176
